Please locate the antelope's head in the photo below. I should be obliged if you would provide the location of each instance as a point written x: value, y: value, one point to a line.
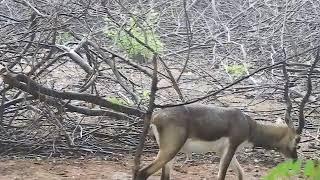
x: 290, y: 143
x: 291, y: 140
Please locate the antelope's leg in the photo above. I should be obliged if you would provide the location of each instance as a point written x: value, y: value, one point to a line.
x: 236, y: 166
x: 171, y: 139
x: 165, y: 175
x: 225, y: 160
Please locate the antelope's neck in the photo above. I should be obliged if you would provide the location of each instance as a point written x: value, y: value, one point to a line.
x: 266, y: 135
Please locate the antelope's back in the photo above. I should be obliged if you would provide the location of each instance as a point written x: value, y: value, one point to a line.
x: 205, y: 122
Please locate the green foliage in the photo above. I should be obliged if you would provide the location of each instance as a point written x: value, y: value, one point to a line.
x: 119, y: 101
x: 64, y: 37
x: 145, y: 95
x: 145, y: 32
x: 236, y: 70
x: 289, y: 169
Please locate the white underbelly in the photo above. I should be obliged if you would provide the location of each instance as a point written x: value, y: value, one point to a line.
x: 198, y: 146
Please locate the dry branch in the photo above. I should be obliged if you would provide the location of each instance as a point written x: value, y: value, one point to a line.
x: 115, y: 70
x: 221, y: 89
x: 71, y: 52
x: 147, y: 118
x: 24, y: 83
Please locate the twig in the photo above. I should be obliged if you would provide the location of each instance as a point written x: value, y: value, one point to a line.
x: 221, y: 89
x: 147, y: 118
x: 114, y: 70
x: 189, y: 38
x: 173, y: 81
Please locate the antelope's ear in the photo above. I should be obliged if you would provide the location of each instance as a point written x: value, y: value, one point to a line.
x: 279, y: 120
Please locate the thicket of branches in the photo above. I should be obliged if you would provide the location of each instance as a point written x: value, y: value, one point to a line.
x: 71, y: 81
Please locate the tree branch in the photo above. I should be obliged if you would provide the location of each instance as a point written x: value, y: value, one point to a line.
x: 26, y: 84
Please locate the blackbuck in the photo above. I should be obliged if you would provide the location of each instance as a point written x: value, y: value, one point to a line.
x: 206, y: 128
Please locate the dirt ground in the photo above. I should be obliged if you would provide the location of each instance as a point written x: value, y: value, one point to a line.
x: 85, y: 169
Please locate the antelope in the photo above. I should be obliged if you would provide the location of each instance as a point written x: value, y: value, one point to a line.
x: 203, y: 128
x: 206, y: 128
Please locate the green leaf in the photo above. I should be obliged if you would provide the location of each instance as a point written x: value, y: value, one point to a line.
x: 296, y: 167
x: 309, y: 168
x: 289, y: 169
x: 236, y: 70
x: 316, y: 175
x: 119, y: 101
x: 279, y: 171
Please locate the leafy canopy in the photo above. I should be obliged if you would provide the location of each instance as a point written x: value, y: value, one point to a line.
x: 145, y: 32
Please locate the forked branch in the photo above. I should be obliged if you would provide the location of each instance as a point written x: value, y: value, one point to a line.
x: 306, y: 97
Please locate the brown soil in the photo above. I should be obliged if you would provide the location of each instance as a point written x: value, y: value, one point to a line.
x: 85, y: 169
